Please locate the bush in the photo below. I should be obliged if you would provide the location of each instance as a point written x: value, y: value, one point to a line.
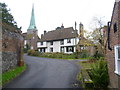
x: 33, y: 53
x: 98, y: 55
x: 25, y: 50
x: 84, y: 54
x: 99, y: 74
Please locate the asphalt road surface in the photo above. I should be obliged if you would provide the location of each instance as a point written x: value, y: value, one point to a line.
x: 46, y: 73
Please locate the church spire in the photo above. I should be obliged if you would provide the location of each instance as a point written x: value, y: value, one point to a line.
x: 32, y: 21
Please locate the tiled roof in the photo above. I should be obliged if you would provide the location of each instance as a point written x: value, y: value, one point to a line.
x: 64, y: 33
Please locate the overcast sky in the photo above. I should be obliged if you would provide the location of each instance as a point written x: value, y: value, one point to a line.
x: 50, y: 14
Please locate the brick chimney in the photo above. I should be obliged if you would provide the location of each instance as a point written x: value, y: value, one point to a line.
x: 45, y: 32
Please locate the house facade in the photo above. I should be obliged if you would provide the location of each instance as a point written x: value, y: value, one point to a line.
x: 59, y: 40
x: 113, y: 47
x: 31, y: 36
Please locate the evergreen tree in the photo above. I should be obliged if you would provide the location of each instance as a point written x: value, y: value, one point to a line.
x: 7, y: 16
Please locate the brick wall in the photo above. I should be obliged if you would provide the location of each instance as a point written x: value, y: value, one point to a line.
x: 114, y: 40
x: 0, y: 48
x: 12, y: 43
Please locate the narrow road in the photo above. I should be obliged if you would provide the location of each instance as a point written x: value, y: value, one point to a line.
x: 46, y: 73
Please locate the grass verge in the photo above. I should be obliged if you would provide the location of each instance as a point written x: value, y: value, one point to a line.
x: 11, y: 74
x: 82, y: 75
x: 85, y: 65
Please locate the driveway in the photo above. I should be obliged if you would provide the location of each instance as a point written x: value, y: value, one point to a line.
x: 46, y: 73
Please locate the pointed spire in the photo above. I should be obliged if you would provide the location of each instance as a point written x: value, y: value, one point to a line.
x: 32, y: 21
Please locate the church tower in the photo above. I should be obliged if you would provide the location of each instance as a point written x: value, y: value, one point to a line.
x: 32, y: 32
x: 81, y: 30
x: 32, y: 27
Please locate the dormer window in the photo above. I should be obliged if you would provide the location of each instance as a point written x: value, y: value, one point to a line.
x: 68, y: 40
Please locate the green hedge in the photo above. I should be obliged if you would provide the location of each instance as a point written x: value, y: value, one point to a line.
x: 33, y: 53
x: 59, y: 55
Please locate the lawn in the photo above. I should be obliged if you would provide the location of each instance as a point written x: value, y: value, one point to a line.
x: 11, y: 74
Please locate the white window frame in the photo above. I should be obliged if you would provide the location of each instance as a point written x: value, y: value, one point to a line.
x: 33, y: 37
x: 117, y: 60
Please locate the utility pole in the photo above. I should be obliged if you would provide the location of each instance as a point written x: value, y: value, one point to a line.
x: 76, y: 41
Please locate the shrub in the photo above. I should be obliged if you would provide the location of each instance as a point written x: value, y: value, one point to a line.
x: 33, y: 53
x: 25, y: 50
x: 99, y: 74
x: 84, y: 54
x: 98, y: 55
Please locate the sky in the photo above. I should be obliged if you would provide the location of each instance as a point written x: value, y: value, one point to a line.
x: 50, y: 14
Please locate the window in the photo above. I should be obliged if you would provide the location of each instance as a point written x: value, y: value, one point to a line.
x: 117, y: 59
x: 51, y: 43
x: 31, y: 47
x: 68, y: 40
x: 25, y: 42
x: 41, y: 43
x: 51, y: 49
x: 119, y: 53
x: 62, y: 42
x: 62, y: 49
x: 42, y: 50
x: 115, y: 27
x: 82, y: 48
x: 33, y: 37
x: 70, y: 49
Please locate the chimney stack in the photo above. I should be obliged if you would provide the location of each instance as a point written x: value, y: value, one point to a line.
x: 41, y: 35
x: 45, y: 32
x: 75, y: 25
x: 62, y: 26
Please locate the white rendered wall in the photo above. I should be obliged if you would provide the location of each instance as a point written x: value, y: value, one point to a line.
x: 39, y: 44
x: 56, y: 45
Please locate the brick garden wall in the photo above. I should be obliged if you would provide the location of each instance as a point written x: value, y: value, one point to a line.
x: 0, y: 48
x: 12, y: 43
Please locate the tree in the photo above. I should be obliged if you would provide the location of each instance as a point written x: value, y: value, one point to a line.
x: 7, y: 16
x: 97, y: 34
